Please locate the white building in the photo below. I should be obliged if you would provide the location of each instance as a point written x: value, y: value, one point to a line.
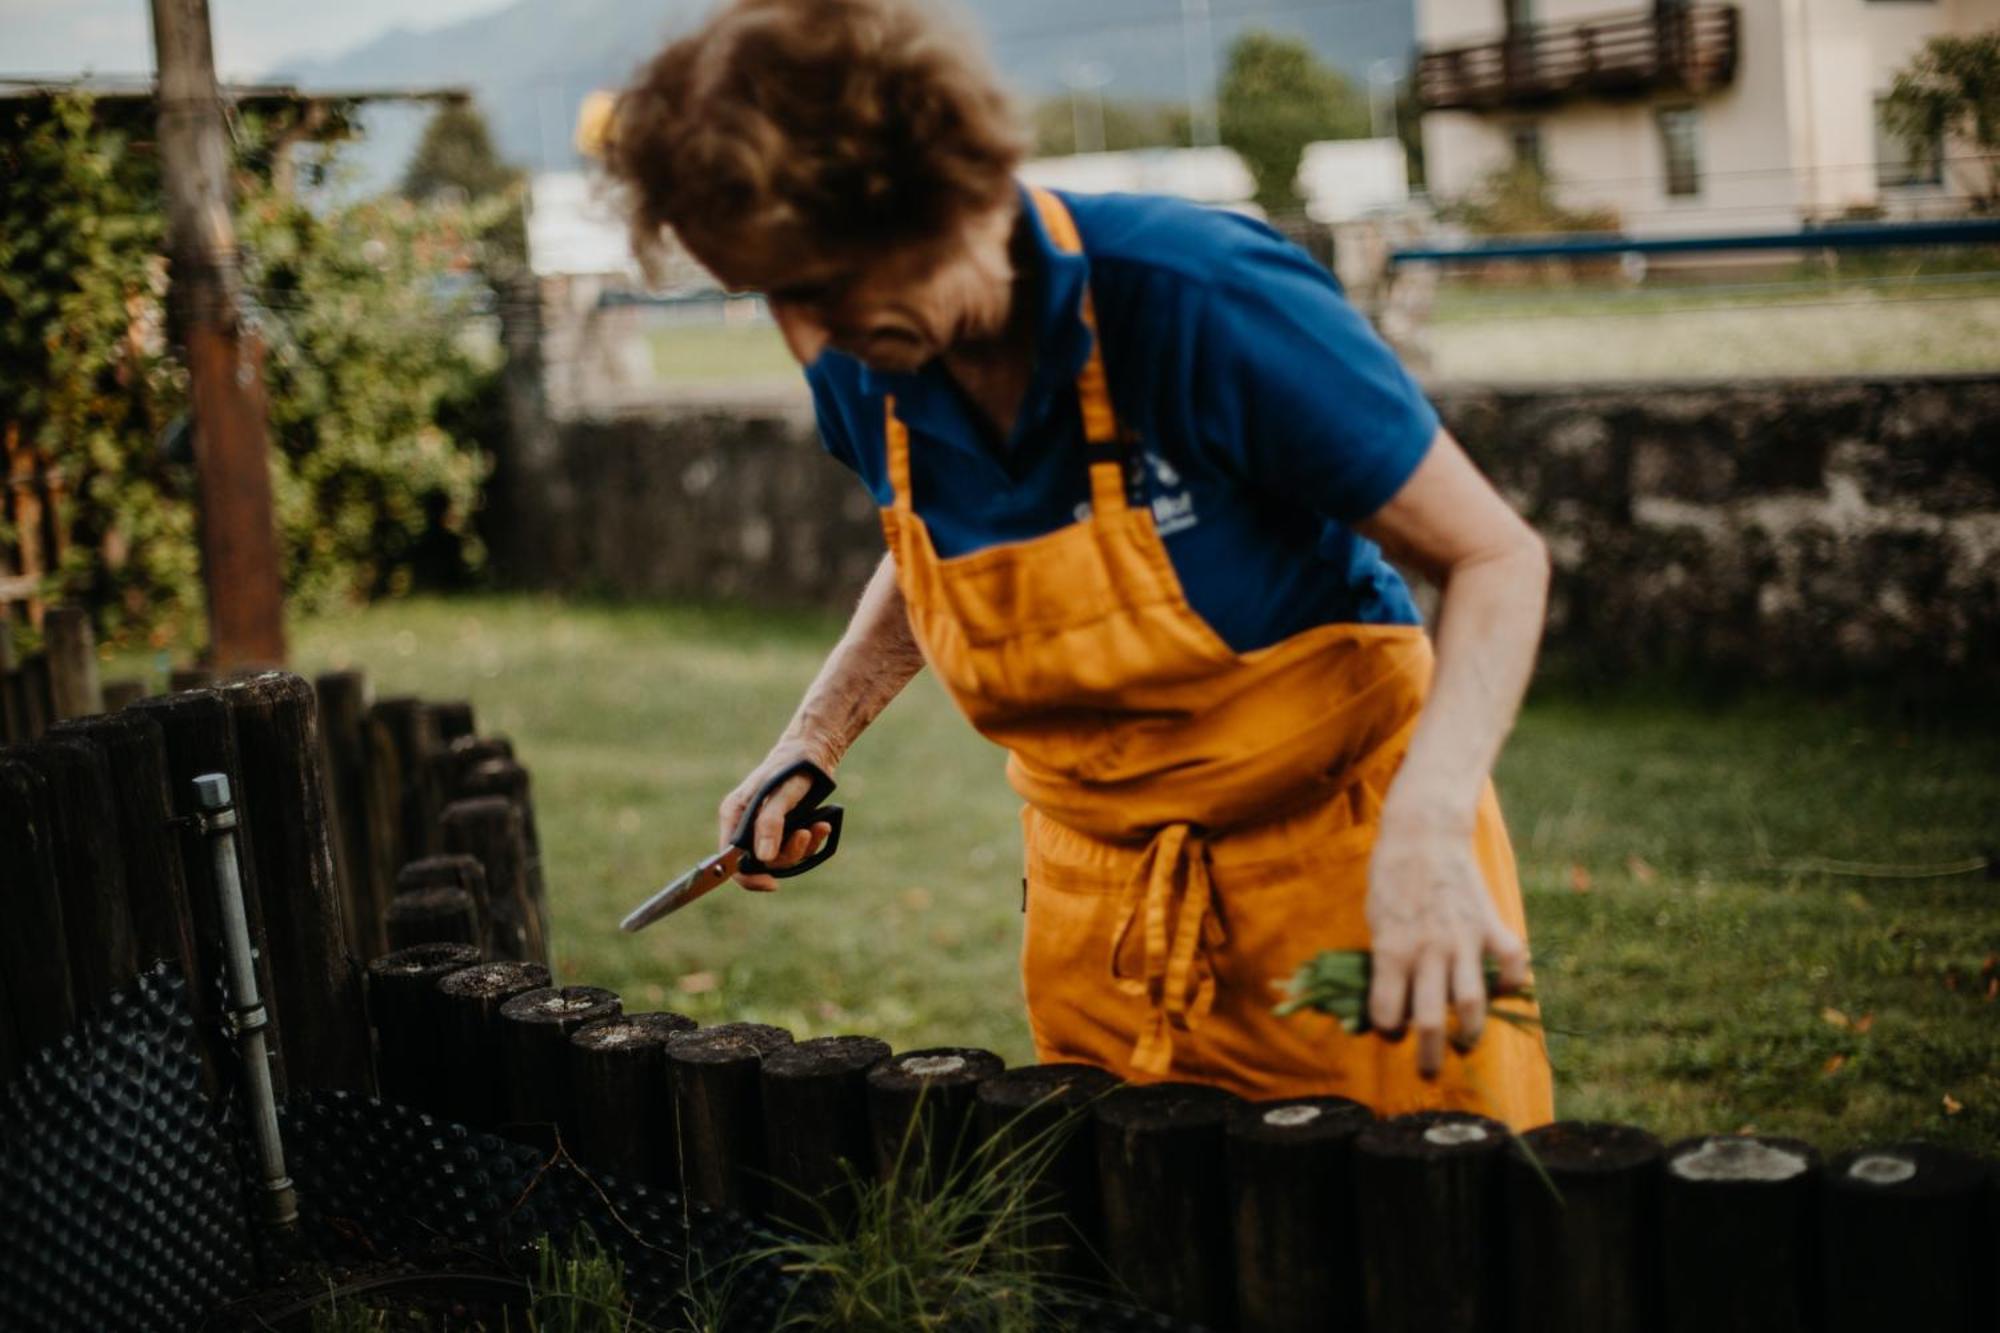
x: 1214, y: 176
x: 1688, y: 117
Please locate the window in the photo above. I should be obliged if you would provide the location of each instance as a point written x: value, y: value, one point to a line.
x: 1901, y: 162
x: 1680, y: 150
x: 1526, y: 138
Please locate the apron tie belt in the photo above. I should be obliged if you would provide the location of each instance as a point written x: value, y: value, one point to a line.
x: 1167, y: 929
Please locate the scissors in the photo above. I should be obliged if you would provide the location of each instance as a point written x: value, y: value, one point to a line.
x: 737, y: 858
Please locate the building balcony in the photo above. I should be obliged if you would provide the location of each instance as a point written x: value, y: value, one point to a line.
x: 1679, y: 49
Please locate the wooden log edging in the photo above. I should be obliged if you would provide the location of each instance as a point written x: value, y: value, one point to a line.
x: 1162, y: 1173
x: 921, y: 1114
x: 816, y: 1136
x: 1582, y: 1218
x: 623, y: 1097
x: 471, y: 1072
x: 408, y: 1015
x: 1036, y: 1124
x: 40, y: 999
x: 1736, y: 1235
x: 1291, y: 1201
x: 717, y: 1079
x: 1428, y: 1192
x: 535, y: 1028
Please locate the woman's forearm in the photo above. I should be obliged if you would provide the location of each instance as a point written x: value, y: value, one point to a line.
x: 868, y: 668
x: 1489, y: 624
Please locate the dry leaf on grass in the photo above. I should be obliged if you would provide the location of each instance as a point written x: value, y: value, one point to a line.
x: 1952, y: 1105
x: 1579, y: 878
x: 1863, y: 1023
x: 1833, y: 1017
x: 1640, y: 869
x: 1832, y: 1066
x: 699, y: 983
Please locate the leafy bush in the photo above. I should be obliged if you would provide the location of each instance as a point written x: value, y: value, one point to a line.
x: 376, y: 372
x: 1516, y: 200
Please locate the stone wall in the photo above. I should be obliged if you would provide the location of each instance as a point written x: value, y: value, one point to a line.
x: 1822, y: 530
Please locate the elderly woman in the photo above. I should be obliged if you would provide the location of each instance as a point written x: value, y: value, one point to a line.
x: 1137, y: 463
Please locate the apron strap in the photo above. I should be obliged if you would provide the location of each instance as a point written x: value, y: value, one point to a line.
x: 898, y: 440
x: 1168, y: 919
x: 1104, y: 445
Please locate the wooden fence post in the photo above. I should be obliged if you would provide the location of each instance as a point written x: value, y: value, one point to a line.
x: 921, y: 1107
x: 402, y: 735
x: 451, y: 719
x: 407, y: 1014
x: 623, y: 1099
x: 1036, y: 1123
x: 1291, y: 1198
x: 37, y: 695
x: 1736, y: 1235
x: 1899, y: 1229
x: 488, y: 829
x: 461, y: 756
x: 508, y: 780
x: 1432, y: 1245
x: 1160, y: 1157
x: 719, y: 1112
x: 343, y: 739
x: 34, y: 949
x: 470, y: 1069
x: 534, y: 1042
x: 441, y: 915
x: 181, y: 680
x: 318, y: 984
x: 135, y: 754
x: 816, y: 1139
x: 1584, y: 1245
x: 200, y: 734
x: 72, y: 648
x: 90, y: 866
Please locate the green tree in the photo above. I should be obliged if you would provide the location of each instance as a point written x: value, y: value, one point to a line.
x: 1126, y: 125
x: 456, y: 162
x: 1276, y: 97
x: 1951, y: 90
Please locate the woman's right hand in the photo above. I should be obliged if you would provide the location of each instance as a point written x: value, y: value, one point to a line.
x: 769, y: 842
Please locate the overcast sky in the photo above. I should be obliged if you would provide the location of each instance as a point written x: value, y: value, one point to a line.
x: 251, y: 36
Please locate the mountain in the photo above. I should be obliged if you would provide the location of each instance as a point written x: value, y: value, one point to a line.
x: 532, y: 62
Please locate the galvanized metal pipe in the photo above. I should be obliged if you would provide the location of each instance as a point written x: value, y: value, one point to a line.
x: 247, y: 1018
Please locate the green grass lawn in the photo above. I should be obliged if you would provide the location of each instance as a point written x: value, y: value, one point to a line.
x: 1712, y: 978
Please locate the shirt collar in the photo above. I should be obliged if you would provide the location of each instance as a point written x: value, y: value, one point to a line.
x: 926, y: 400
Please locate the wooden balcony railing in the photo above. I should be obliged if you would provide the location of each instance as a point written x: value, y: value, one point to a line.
x: 1690, y: 49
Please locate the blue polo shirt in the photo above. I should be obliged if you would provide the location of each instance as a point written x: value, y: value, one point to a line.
x: 1270, y: 418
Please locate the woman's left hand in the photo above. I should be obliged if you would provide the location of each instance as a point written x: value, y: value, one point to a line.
x: 1433, y: 925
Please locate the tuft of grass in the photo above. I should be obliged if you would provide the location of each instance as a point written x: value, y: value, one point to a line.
x: 1673, y: 849
x: 579, y: 1289
x: 961, y: 1256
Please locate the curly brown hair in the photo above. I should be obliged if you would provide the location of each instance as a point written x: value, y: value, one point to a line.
x: 816, y: 127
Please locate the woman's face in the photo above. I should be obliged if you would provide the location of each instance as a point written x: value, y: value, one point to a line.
x: 895, y: 310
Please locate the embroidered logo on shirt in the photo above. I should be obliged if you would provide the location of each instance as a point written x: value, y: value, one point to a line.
x: 1173, y: 506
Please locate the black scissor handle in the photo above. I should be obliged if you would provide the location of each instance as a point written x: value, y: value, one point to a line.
x: 804, y: 815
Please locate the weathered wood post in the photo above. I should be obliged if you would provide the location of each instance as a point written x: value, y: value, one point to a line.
x: 816, y: 1130
x: 1291, y: 1201
x: 1163, y: 1179
x: 135, y: 754
x: 1035, y: 1123
x: 921, y: 1107
x: 13, y: 714
x: 343, y: 738
x: 408, y: 1015
x: 317, y: 983
x: 89, y: 865
x: 34, y: 948
x: 488, y: 829
x: 1583, y: 1242
x: 407, y: 728
x: 719, y: 1112
x: 395, y: 732
x: 470, y: 1067
x: 1429, y: 1194
x: 36, y: 692
x: 1899, y: 1229
x: 1736, y: 1235
x: 451, y: 719
x: 508, y: 780
x: 623, y: 1099
x: 182, y: 679
x: 72, y: 649
x: 439, y: 899
x: 464, y: 754
x: 534, y: 1043
x: 441, y: 915
x: 200, y: 735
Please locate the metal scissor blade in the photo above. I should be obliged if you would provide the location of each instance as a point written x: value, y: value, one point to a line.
x: 710, y: 874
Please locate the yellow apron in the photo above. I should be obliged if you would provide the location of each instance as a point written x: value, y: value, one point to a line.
x: 1198, y: 820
